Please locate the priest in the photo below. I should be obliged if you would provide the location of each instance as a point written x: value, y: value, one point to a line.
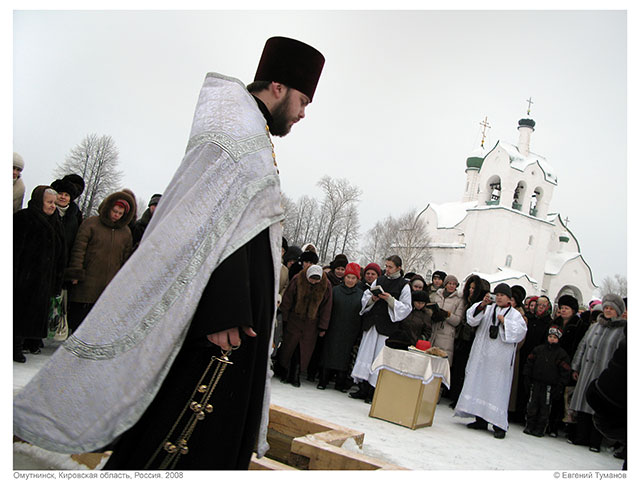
x: 487, y: 383
x: 170, y: 368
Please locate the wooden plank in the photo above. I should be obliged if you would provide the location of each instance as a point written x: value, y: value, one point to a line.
x: 320, y: 455
x: 265, y: 463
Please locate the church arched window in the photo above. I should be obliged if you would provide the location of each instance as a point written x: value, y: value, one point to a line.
x: 518, y: 195
x: 530, y: 240
x: 534, y: 202
x: 507, y: 262
x: 494, y: 188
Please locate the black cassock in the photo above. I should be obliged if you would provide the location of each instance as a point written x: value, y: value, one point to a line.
x: 240, y: 292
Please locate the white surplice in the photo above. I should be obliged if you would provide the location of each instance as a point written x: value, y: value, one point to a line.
x: 487, y: 383
x: 372, y: 341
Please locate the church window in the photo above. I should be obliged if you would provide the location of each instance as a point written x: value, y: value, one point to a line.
x: 530, y: 239
x: 507, y: 262
x: 494, y: 188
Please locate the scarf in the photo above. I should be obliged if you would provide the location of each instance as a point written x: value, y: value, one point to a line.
x: 62, y: 210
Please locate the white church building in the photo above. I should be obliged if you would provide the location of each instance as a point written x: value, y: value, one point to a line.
x: 504, y: 229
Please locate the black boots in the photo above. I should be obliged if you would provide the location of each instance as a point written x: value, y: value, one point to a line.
x: 365, y: 392
x: 479, y: 424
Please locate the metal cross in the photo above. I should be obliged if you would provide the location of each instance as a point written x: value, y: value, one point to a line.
x: 485, y: 125
x: 530, y: 102
x: 566, y: 221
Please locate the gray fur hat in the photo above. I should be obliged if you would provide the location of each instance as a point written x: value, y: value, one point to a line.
x: 614, y: 301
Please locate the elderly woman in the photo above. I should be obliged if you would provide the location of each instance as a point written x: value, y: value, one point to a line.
x: 451, y: 302
x: 38, y: 266
x: 592, y: 356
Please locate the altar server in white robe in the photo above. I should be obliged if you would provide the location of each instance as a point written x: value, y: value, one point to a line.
x: 381, y: 315
x: 489, y: 372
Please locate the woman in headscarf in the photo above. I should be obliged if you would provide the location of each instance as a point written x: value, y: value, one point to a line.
x: 38, y: 266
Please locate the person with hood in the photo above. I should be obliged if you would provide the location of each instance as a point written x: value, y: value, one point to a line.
x: 101, y: 247
x: 437, y: 282
x: 344, y: 327
x: 546, y: 372
x: 451, y: 303
x: 18, y: 184
x: 417, y: 283
x: 337, y: 268
x: 140, y: 226
x: 384, y: 305
x: 592, y: 356
x: 38, y: 266
x: 487, y: 384
x: 475, y: 288
x: 68, y: 212
x: 306, y: 312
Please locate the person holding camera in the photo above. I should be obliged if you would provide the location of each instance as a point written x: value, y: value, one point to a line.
x: 487, y: 384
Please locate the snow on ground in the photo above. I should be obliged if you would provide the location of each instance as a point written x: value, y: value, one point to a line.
x: 446, y: 445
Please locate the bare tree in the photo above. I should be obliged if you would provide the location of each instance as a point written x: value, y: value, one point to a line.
x: 95, y: 159
x: 617, y: 285
x: 405, y: 236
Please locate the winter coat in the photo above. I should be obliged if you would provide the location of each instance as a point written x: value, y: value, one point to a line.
x: 548, y: 364
x: 70, y: 224
x: 592, y: 356
x: 306, y: 310
x: 537, y: 331
x: 38, y: 266
x: 344, y: 327
x: 18, y: 194
x: 100, y: 249
x: 417, y: 325
x: 572, y: 332
x: 140, y: 226
x: 333, y: 278
x: 443, y: 334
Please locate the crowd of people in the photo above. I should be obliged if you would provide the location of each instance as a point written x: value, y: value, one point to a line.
x: 513, y: 357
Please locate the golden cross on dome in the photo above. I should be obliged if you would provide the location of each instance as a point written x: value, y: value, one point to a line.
x: 530, y: 102
x: 485, y: 125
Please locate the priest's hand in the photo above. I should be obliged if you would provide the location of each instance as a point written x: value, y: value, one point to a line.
x: 230, y: 337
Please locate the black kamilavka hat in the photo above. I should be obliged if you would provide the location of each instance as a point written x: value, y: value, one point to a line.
x: 292, y: 63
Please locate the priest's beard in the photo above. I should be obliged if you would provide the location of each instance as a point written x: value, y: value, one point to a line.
x: 281, y: 122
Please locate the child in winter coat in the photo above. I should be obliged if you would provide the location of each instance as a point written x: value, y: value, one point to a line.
x: 546, y: 373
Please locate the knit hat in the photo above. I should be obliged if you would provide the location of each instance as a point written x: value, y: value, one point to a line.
x: 292, y: 253
x: 122, y: 203
x: 419, y: 296
x: 291, y: 62
x: 65, y: 186
x: 594, y: 302
x: 353, y: 269
x: 18, y: 161
x: 155, y: 198
x: 375, y: 267
x: 555, y: 330
x: 568, y: 301
x: 504, y: 289
x: 314, y: 270
x: 614, y: 301
x: 451, y: 278
x: 309, y: 257
x: 440, y: 274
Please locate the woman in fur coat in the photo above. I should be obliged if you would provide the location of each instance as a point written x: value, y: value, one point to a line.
x: 102, y: 245
x: 592, y: 356
x: 67, y: 211
x: 448, y: 299
x: 306, y: 311
x: 38, y: 266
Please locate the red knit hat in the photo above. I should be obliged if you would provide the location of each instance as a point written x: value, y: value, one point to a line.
x: 353, y: 269
x: 124, y: 204
x: 375, y: 267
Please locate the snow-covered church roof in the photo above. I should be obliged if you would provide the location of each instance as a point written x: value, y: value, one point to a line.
x: 555, y: 261
x: 504, y: 274
x: 451, y: 214
x: 521, y: 162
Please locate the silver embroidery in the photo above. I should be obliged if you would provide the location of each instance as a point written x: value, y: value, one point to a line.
x: 81, y: 349
x: 235, y: 148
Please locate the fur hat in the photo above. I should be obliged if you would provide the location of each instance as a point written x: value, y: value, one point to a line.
x: 353, y: 269
x: 568, y: 301
x: 314, y: 270
x: 440, y: 274
x: 504, y: 289
x: 375, y: 267
x: 614, y: 301
x: 339, y: 261
x: 309, y: 256
x: 451, y: 278
x: 292, y: 253
x: 419, y: 296
x: 77, y: 181
x: 65, y: 186
x: 519, y: 293
x: 555, y: 330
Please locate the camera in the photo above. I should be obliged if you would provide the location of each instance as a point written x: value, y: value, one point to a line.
x: 493, y: 331
x: 492, y: 296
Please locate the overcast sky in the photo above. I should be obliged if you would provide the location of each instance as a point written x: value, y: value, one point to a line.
x: 396, y: 112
